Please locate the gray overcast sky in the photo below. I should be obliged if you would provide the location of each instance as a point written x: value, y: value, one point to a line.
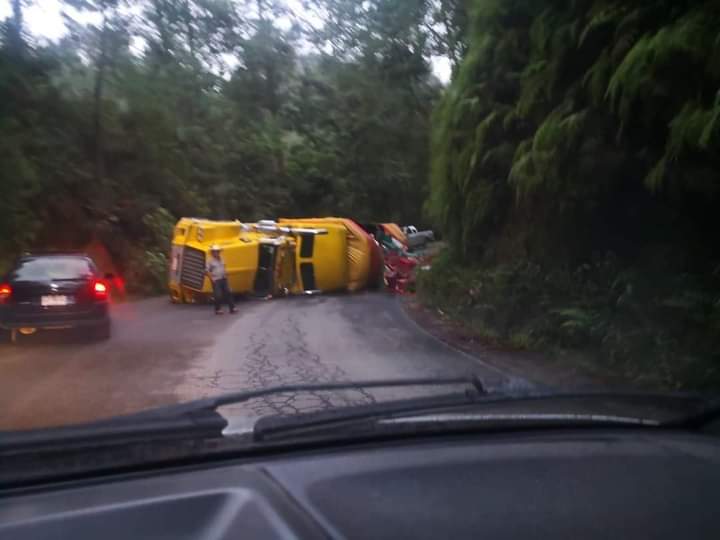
x: 43, y: 19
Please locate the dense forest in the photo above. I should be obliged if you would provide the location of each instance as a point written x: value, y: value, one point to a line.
x: 576, y: 171
x: 572, y: 164
x: 166, y: 108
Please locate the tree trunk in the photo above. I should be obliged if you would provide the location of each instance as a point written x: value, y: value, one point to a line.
x: 165, y: 39
x: 17, y: 15
x: 99, y: 169
x: 16, y: 27
x: 195, y: 91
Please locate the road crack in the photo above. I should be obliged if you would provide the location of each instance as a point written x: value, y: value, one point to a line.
x: 280, y: 355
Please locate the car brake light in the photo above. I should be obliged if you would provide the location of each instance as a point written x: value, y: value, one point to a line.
x: 5, y: 292
x: 100, y: 289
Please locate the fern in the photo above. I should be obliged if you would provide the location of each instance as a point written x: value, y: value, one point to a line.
x: 656, y: 177
x: 711, y: 132
x: 537, y: 81
x: 538, y: 162
x: 603, y: 16
x: 541, y: 31
x: 567, y: 100
x: 524, y: 176
x: 639, y: 72
x: 597, y: 77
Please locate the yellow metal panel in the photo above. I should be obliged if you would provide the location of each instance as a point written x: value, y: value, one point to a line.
x: 329, y: 254
x: 239, y: 249
x: 240, y: 258
x: 181, y: 230
x: 241, y: 262
x: 285, y: 271
x: 357, y: 252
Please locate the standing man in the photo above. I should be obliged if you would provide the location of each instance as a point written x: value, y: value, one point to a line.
x: 215, y: 270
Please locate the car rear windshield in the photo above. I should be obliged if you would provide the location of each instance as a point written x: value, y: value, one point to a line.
x: 51, y: 268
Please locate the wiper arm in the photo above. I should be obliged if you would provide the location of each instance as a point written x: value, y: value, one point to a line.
x: 239, y: 397
x: 198, y: 418
x: 268, y: 427
x: 433, y: 413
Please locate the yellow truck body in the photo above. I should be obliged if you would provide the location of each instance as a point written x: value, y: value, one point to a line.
x: 320, y: 262
x: 355, y: 252
x: 261, y: 258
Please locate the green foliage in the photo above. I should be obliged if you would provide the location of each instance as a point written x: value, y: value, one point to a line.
x: 146, y: 271
x: 608, y: 142
x: 598, y: 99
x: 219, y: 116
x: 648, y: 66
x: 159, y: 226
x: 694, y: 129
x: 151, y: 274
x: 639, y: 324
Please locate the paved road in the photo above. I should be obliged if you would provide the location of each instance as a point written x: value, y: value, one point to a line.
x: 162, y: 353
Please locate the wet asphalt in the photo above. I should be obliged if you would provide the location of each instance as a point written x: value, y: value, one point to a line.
x: 161, y: 353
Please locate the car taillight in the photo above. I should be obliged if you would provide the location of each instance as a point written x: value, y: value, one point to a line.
x: 5, y: 292
x: 100, y: 290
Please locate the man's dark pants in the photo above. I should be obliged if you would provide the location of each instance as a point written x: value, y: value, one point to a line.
x: 222, y: 294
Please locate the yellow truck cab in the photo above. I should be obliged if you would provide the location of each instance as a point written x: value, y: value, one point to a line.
x: 192, y: 239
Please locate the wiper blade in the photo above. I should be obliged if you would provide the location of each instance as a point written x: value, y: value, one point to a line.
x: 232, y: 398
x: 198, y: 418
x: 268, y: 427
x: 443, y: 413
x: 535, y: 419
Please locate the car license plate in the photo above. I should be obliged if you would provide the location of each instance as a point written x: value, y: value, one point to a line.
x: 55, y: 300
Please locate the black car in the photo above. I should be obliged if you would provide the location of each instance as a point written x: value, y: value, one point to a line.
x: 57, y: 291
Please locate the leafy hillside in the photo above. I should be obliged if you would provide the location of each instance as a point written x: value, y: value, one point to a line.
x: 575, y: 164
x: 201, y: 108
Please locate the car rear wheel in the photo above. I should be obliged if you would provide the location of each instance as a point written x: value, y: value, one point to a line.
x: 16, y: 336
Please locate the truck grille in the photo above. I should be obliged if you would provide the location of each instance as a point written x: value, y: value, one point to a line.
x: 193, y: 268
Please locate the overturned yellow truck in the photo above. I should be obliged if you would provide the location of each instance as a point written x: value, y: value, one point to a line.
x: 290, y: 256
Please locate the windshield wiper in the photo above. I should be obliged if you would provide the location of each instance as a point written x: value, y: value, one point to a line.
x: 232, y: 398
x: 441, y: 414
x: 199, y: 418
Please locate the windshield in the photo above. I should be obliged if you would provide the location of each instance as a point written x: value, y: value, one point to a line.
x: 50, y: 268
x: 315, y: 192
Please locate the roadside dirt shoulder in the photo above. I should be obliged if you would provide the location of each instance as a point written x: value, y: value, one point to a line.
x: 562, y: 371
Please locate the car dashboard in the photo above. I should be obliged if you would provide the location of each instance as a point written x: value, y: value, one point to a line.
x: 564, y: 484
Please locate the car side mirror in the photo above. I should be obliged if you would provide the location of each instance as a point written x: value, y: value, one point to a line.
x: 109, y: 276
